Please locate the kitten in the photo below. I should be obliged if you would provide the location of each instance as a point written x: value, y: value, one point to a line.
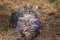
x: 26, y: 23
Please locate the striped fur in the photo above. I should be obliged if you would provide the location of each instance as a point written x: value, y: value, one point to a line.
x: 26, y: 23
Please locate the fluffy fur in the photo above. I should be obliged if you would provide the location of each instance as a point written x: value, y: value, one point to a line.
x: 26, y: 23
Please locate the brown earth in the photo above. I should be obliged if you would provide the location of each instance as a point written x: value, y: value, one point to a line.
x: 49, y: 15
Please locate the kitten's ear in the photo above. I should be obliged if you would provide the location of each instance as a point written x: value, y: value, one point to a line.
x: 34, y: 9
x: 22, y: 9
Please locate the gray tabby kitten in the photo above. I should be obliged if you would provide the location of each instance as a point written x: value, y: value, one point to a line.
x: 26, y: 23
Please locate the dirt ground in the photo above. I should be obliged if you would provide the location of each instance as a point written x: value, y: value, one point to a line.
x: 49, y: 16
